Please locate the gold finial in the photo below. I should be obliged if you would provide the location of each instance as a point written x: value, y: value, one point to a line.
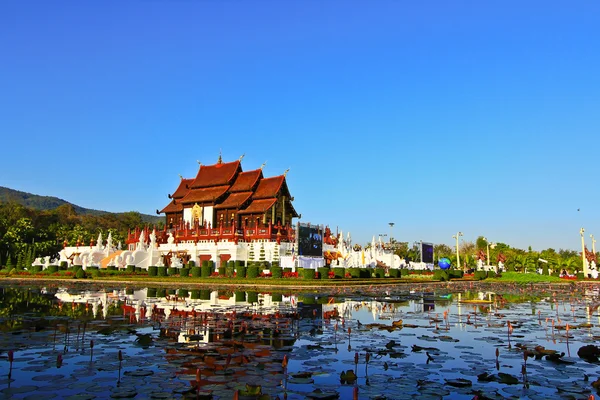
x: 199, y: 163
x: 220, y: 160
x: 263, y: 165
x: 285, y: 173
x: 180, y: 177
x: 242, y: 156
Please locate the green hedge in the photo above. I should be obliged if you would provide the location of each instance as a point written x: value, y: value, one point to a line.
x: 366, y: 273
x: 185, y: 272
x: 275, y: 264
x: 339, y: 272
x: 80, y: 274
x: 206, y: 269
x: 161, y: 271
x: 63, y: 265
x: 394, y: 273
x: 441, y: 275
x: 52, y: 269
x: 130, y: 268
x: 456, y: 273
x: 252, y: 297
x: 240, y: 296
x: 324, y: 272
x: 276, y: 272
x: 161, y: 292
x: 277, y: 297
x: 229, y: 271
x: 196, y: 272
x: 151, y: 292
x: 183, y: 293
x: 204, y: 294
x: 307, y: 299
x: 252, y: 271
x: 354, y: 272
x: 195, y: 294
x: 191, y: 264
x: 240, y: 271
x: 379, y: 273
x: 480, y: 275
x: 37, y: 268
x: 152, y: 271
x: 108, y: 268
x: 222, y: 270
x: 171, y: 271
x: 287, y: 269
x: 308, y: 273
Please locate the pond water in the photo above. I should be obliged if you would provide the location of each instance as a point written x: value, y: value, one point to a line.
x: 438, y: 341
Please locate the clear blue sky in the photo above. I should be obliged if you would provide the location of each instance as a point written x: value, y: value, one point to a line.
x: 473, y: 116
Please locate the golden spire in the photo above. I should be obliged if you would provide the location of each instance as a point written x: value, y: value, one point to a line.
x: 263, y: 165
x: 242, y: 156
x: 220, y: 160
x: 180, y: 177
x: 199, y: 163
x: 285, y: 173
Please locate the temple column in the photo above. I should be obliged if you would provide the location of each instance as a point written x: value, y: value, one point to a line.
x: 282, y: 210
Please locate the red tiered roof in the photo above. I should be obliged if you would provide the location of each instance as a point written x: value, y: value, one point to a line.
x: 182, y: 189
x: 235, y: 200
x: 269, y: 187
x: 258, y: 206
x: 216, y: 175
x: 172, y: 207
x: 203, y: 195
x: 246, y: 181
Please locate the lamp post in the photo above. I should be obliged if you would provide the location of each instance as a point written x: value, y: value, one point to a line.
x: 391, y: 224
x: 593, y: 244
x: 488, y: 249
x: 458, y: 234
x: 583, y: 260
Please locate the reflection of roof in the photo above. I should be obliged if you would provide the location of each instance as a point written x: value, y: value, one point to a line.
x: 258, y: 206
x: 235, y: 200
x: 208, y: 194
x: 269, y: 187
x: 182, y: 189
x: 172, y: 207
x: 246, y: 181
x: 216, y: 175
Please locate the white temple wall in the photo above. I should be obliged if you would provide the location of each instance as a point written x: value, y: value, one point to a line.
x: 187, y: 215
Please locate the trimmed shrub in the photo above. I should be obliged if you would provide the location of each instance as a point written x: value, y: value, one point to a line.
x: 324, y: 272
x: 394, y: 273
x: 196, y: 272
x: 52, y: 269
x: 229, y: 271
x: 37, y: 268
x: 252, y: 297
x: 277, y: 272
x: 379, y: 273
x: 308, y: 273
x: 239, y: 263
x: 580, y: 275
x: 108, y: 268
x: 366, y: 273
x: 191, y: 264
x: 171, y: 271
x: 162, y: 271
x: 151, y: 292
x: 354, y: 272
x: 152, y: 271
x: 441, y: 275
x: 204, y: 263
x: 222, y: 270
x: 339, y: 272
x: 195, y: 294
x: 130, y: 268
x: 183, y: 293
x: 307, y: 299
x: 240, y: 296
x: 185, y: 272
x: 252, y: 272
x: 80, y: 274
x: 545, y: 270
x: 205, y: 271
x: 63, y: 265
x: 480, y: 275
x: 275, y: 264
x: 456, y: 273
x: 161, y: 292
x: 128, y: 291
x: 277, y: 297
x: 240, y: 271
x: 287, y: 270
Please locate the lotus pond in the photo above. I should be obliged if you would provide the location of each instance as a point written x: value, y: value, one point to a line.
x: 428, y: 341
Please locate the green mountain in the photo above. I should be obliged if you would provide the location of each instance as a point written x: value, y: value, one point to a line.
x: 50, y: 203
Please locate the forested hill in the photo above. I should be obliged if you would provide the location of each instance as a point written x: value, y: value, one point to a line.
x: 43, y: 203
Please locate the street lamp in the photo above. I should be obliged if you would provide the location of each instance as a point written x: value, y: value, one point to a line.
x: 488, y: 249
x: 458, y: 234
x: 391, y: 224
x: 585, y: 269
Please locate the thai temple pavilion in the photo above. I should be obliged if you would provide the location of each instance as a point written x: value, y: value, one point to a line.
x: 222, y: 195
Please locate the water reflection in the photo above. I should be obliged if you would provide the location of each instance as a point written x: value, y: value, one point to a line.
x: 434, y: 342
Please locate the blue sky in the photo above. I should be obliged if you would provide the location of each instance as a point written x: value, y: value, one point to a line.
x: 480, y: 117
